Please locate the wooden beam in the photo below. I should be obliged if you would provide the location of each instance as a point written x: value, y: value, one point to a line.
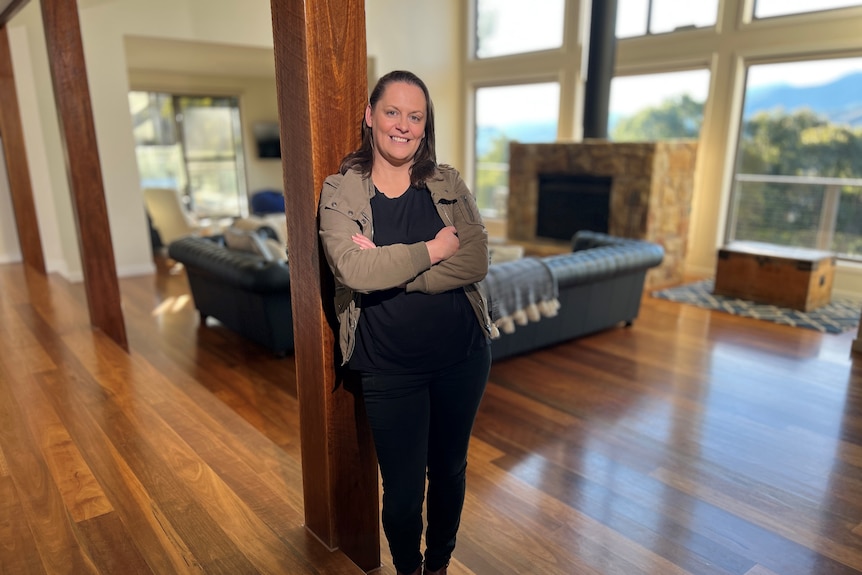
x: 15, y: 154
x: 320, y: 60
x: 857, y: 343
x: 72, y: 96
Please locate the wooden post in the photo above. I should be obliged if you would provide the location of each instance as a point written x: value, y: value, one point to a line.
x: 72, y: 95
x: 15, y: 154
x: 857, y: 343
x: 320, y: 61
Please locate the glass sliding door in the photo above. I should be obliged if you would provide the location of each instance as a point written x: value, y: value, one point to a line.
x: 192, y: 144
x: 212, y: 149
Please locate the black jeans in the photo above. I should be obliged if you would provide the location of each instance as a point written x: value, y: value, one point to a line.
x: 424, y: 421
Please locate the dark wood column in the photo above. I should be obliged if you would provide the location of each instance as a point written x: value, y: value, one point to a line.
x: 320, y: 60
x: 72, y: 95
x: 15, y: 155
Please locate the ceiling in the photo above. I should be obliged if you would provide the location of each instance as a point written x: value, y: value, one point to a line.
x: 200, y: 58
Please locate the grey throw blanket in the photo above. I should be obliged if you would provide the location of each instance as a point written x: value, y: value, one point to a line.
x: 520, y: 291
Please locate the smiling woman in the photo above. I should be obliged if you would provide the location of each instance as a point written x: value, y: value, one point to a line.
x: 407, y: 247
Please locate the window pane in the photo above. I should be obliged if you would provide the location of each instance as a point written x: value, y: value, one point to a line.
x: 799, y: 173
x: 769, y: 8
x: 670, y: 15
x: 502, y: 114
x: 193, y: 145
x: 633, y: 16
x: 514, y: 26
x: 657, y: 106
x: 158, y: 151
x: 211, y: 137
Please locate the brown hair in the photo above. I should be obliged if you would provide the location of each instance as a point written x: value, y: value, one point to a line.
x: 425, y: 161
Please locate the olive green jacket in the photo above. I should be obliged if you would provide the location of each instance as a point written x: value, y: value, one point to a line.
x: 345, y: 209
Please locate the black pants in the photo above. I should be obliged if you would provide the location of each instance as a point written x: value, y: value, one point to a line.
x: 424, y: 421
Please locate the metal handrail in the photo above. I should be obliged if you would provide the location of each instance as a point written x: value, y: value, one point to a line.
x: 809, y: 180
x: 828, y: 209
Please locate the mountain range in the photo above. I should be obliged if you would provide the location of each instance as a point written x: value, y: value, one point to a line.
x: 840, y: 101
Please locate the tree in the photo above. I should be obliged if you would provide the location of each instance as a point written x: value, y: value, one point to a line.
x: 674, y: 118
x: 798, y: 144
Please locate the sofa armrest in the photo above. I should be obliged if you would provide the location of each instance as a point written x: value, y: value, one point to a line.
x: 244, y: 270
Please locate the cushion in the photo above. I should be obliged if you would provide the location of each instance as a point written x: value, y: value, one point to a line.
x: 250, y: 241
x: 243, y: 240
x: 276, y: 250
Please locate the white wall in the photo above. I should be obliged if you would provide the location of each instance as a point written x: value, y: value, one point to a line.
x: 425, y: 38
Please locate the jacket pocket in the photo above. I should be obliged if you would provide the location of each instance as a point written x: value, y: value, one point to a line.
x: 469, y: 210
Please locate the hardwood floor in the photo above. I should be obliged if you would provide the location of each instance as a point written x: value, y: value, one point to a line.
x: 694, y: 442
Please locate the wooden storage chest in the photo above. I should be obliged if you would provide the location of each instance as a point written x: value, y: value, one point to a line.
x: 797, y: 278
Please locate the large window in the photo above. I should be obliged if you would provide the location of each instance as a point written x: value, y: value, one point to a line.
x: 526, y: 113
x: 769, y: 8
x: 798, y: 178
x: 641, y: 17
x: 193, y: 145
x: 657, y: 106
x: 513, y: 26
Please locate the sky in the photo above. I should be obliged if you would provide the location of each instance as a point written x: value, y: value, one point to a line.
x: 812, y: 73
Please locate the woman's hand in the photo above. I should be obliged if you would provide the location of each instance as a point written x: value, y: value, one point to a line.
x: 363, y: 242
x: 444, y: 245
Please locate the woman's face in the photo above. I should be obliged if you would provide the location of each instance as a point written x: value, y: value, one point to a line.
x: 397, y: 123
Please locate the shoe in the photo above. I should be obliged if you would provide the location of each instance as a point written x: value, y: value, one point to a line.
x: 418, y: 571
x: 440, y: 571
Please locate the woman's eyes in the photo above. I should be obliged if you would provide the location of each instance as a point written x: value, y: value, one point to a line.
x: 415, y: 118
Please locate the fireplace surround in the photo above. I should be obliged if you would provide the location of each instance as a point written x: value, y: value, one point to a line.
x: 651, y: 186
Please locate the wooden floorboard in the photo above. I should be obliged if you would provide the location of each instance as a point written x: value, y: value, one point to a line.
x: 693, y: 442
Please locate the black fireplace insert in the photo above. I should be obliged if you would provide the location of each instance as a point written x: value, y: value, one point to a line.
x: 570, y: 203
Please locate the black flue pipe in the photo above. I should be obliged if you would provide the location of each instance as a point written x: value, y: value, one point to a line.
x: 600, y: 68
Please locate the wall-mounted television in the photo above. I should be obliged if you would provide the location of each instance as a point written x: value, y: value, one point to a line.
x: 266, y: 137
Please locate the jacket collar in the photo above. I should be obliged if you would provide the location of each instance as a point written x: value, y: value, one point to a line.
x: 356, y: 191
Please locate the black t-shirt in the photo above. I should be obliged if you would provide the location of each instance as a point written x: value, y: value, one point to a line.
x: 412, y: 332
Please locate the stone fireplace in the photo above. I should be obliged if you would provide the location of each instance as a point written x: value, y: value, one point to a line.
x: 647, y: 195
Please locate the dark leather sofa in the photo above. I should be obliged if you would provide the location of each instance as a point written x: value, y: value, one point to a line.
x: 600, y: 286
x: 244, y: 291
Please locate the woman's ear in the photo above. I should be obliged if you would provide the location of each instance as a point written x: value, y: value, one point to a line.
x: 368, y: 116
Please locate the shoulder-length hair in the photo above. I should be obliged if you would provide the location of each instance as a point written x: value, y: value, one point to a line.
x: 425, y: 160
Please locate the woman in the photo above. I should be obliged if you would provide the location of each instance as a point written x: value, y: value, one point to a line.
x: 407, y: 246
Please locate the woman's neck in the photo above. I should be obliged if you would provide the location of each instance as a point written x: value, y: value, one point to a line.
x: 390, y: 180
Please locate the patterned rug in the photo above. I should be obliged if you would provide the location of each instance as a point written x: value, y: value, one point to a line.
x: 838, y: 316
